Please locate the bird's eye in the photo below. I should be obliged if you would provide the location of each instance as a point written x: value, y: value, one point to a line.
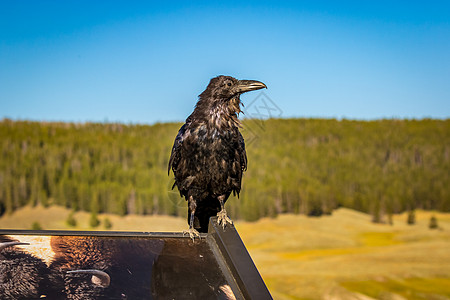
x: 229, y: 83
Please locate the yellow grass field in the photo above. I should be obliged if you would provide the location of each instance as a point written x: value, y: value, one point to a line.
x: 342, y: 256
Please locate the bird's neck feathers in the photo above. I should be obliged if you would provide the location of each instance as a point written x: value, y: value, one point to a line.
x: 218, y: 113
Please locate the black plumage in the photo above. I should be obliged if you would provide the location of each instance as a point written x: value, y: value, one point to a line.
x: 208, y: 156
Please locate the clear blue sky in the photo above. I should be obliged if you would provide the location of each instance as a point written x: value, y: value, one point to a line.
x: 144, y: 62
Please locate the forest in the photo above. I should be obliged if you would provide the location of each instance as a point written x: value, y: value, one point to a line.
x: 300, y: 166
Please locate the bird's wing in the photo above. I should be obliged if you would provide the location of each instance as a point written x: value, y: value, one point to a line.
x: 174, y: 156
x: 242, y: 153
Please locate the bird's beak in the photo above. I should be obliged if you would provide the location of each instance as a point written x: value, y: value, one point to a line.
x: 250, y: 85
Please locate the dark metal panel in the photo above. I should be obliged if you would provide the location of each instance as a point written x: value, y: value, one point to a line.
x: 238, y: 260
x: 226, y: 247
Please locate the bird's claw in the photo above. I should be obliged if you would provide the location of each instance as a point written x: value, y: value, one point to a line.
x: 192, y: 233
x: 223, y: 219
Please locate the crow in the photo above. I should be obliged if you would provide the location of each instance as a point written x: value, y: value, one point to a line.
x: 208, y: 156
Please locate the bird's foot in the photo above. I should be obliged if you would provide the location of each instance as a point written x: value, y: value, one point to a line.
x: 223, y: 219
x: 192, y: 233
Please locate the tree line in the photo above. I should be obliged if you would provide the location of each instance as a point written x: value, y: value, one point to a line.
x: 307, y: 166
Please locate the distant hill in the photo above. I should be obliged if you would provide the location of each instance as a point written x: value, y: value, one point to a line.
x: 308, y: 166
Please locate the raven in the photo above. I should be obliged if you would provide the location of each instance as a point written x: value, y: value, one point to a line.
x: 208, y: 156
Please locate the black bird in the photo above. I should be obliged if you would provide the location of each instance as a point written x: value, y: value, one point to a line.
x: 208, y: 156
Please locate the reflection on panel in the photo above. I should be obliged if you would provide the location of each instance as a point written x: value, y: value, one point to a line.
x: 105, y: 267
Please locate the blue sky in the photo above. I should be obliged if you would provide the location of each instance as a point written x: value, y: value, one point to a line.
x: 146, y: 62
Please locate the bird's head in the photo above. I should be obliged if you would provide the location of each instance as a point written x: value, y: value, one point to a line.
x: 226, y: 87
x: 222, y: 97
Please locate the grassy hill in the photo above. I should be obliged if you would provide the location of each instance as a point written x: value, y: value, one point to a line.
x: 345, y: 256
x: 340, y: 256
x: 307, y: 166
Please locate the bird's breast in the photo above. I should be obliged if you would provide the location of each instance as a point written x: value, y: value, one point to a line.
x: 208, y: 148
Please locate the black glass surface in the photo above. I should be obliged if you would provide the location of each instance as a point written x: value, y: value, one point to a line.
x: 126, y: 265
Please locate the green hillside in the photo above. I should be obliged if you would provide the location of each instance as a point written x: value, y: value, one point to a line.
x: 308, y: 166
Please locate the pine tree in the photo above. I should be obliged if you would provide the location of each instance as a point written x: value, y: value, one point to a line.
x: 411, y: 217
x: 433, y: 223
x: 107, y: 224
x: 71, y: 220
x: 93, y: 220
x: 36, y: 226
